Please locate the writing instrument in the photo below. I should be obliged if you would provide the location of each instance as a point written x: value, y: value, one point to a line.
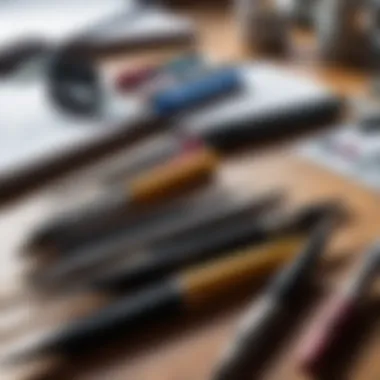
x: 335, y: 317
x: 198, y: 91
x: 154, y: 186
x: 200, y: 214
x: 183, y: 67
x: 189, y: 290
x: 152, y: 263
x: 151, y: 153
x: 265, y: 314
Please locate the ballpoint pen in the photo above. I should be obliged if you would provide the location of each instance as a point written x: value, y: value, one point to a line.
x: 264, y: 315
x: 335, y: 317
x: 200, y: 214
x: 159, y: 259
x: 186, y: 291
x: 153, y: 186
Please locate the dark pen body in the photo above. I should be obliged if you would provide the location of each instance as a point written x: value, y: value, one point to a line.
x: 335, y: 318
x: 163, y: 258
x: 156, y: 185
x: 188, y: 290
x: 194, y: 221
x: 265, y: 314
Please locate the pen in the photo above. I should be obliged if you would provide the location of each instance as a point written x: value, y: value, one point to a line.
x: 198, y: 91
x: 153, y: 186
x: 265, y: 314
x: 150, y: 153
x: 156, y: 261
x: 181, y: 68
x: 201, y: 214
x: 336, y: 315
x: 187, y: 291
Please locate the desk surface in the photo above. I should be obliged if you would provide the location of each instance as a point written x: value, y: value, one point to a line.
x: 188, y: 348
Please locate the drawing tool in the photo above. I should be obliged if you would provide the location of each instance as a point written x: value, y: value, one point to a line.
x: 147, y: 155
x: 201, y: 214
x: 334, y: 318
x: 155, y: 261
x: 182, y: 68
x: 154, y: 186
x: 265, y: 314
x: 198, y: 91
x: 184, y: 292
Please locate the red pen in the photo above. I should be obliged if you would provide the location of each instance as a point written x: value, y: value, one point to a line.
x: 337, y: 314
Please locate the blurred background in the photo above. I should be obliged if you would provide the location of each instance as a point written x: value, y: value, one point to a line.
x: 189, y: 189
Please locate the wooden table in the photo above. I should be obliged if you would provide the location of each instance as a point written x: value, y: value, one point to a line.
x: 187, y: 348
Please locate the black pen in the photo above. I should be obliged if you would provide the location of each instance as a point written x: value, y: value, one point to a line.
x: 155, y: 185
x: 158, y: 260
x: 198, y: 217
x: 189, y: 290
x: 265, y: 314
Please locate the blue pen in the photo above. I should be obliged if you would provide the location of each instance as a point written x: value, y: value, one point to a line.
x: 196, y: 92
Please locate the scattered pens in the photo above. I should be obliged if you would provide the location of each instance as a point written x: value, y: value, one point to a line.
x: 200, y: 213
x: 154, y: 186
x: 192, y: 289
x: 265, y: 314
x: 159, y: 259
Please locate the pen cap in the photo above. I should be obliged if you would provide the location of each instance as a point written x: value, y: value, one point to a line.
x: 309, y: 216
x: 246, y: 129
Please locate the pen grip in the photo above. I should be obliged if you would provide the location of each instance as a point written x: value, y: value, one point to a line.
x: 328, y: 327
x: 172, y: 178
x: 239, y: 269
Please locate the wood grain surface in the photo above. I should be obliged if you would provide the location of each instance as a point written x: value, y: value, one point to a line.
x: 188, y: 348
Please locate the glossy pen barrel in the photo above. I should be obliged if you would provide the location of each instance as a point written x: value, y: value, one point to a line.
x: 197, y: 92
x: 148, y: 155
x: 191, y: 289
x: 162, y: 258
x: 252, y: 334
x: 334, y: 319
x: 264, y: 316
x: 237, y: 270
x: 173, y: 177
x: 153, y: 186
x: 202, y: 213
x: 331, y: 322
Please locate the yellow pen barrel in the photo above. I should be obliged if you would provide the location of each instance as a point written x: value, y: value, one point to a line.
x: 172, y: 178
x: 238, y: 269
